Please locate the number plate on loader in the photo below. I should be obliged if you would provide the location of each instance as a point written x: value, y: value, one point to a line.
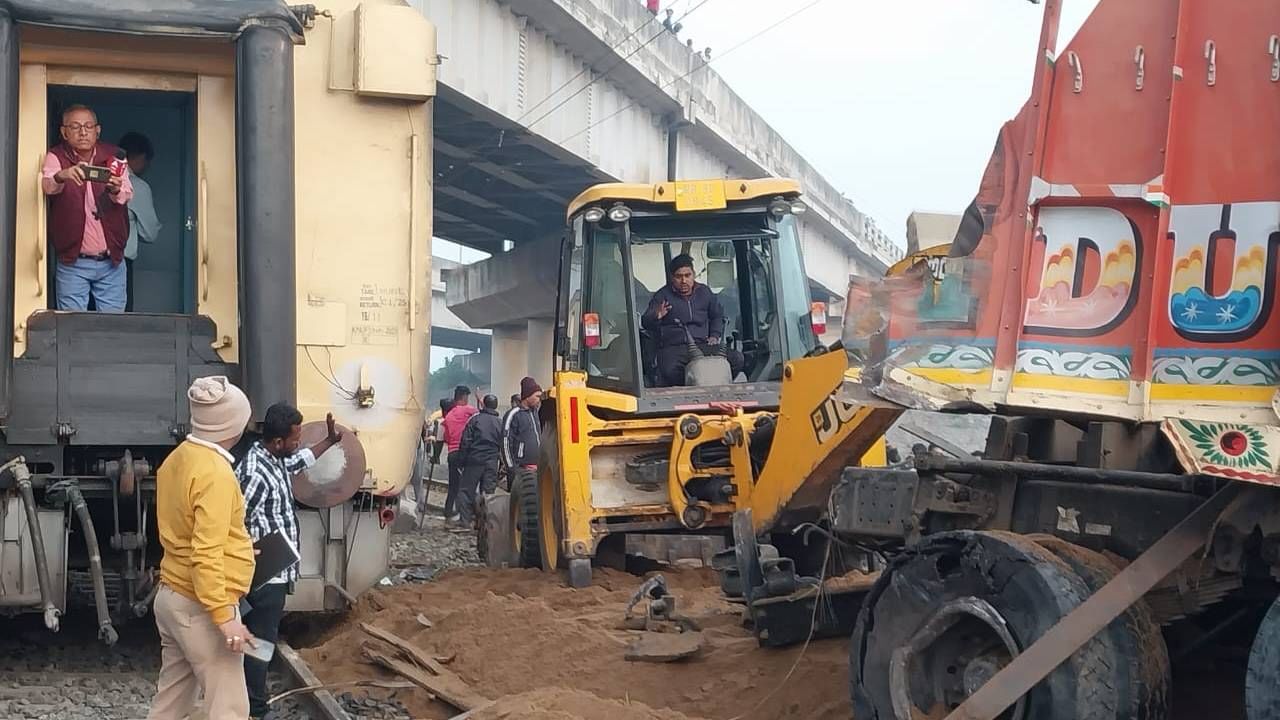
x: 700, y: 195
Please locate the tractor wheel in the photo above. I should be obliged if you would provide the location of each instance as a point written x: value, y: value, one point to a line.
x: 526, y: 548
x: 549, y: 521
x: 1261, y: 691
x: 493, y: 538
x: 1144, y: 681
x: 948, y: 614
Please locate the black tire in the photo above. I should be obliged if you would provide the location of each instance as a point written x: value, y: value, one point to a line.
x: 1261, y: 688
x: 550, y: 502
x: 1142, y: 677
x: 526, y: 547
x: 1029, y: 588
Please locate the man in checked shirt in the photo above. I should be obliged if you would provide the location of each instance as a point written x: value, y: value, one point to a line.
x: 265, y: 474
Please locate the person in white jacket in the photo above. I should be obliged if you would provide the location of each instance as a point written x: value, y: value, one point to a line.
x: 144, y: 225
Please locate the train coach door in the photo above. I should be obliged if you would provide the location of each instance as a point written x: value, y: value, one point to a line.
x: 185, y: 105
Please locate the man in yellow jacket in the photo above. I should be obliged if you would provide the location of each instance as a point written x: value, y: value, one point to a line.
x: 208, y: 562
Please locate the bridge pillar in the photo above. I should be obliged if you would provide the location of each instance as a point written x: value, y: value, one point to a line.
x: 509, y: 361
x: 540, y: 333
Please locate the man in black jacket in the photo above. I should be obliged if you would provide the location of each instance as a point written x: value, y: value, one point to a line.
x: 522, y: 429
x: 480, y: 447
x: 685, y: 304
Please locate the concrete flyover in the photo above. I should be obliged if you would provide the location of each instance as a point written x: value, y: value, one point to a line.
x: 538, y: 99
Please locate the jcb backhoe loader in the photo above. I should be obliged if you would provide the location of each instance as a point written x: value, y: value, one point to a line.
x: 625, y: 449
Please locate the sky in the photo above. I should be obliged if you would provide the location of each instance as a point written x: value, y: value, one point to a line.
x: 896, y: 102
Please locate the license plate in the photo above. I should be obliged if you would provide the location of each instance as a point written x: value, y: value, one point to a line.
x: 700, y: 195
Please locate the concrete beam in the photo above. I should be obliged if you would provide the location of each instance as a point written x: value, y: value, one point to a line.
x: 507, y: 289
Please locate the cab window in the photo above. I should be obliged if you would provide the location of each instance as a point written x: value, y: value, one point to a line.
x: 797, y: 315
x: 609, y: 349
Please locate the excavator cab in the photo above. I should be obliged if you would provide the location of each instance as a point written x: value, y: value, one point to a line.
x: 641, y: 457
x: 742, y: 238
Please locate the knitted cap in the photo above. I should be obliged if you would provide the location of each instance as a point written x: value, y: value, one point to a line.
x: 219, y: 410
x: 528, y: 386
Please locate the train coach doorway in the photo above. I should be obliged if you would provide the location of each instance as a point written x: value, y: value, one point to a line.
x: 163, y: 274
x: 188, y: 114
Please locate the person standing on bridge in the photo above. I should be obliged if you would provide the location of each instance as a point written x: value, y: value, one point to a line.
x: 207, y: 564
x: 88, y: 221
x: 454, y: 422
x: 265, y: 476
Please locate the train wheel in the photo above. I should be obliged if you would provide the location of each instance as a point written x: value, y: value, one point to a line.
x: 945, y: 616
x: 1143, y: 682
x: 1261, y: 690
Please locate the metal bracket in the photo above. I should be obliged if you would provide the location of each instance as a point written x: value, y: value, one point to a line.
x: 1273, y: 47
x: 1140, y: 59
x: 1211, y: 55
x: 1074, y: 60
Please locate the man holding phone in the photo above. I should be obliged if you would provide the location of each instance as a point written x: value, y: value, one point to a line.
x: 265, y: 476
x: 88, y: 190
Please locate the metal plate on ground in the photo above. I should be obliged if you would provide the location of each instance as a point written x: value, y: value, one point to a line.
x: 337, y: 474
x: 659, y: 647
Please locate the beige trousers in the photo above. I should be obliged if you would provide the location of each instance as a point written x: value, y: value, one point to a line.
x: 194, y: 657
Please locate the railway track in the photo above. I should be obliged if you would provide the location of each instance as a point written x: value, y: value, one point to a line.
x: 316, y: 698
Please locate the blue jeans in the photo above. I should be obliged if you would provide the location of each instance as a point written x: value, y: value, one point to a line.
x: 105, y: 281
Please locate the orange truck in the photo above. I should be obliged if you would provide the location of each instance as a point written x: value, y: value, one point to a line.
x: 1110, y: 302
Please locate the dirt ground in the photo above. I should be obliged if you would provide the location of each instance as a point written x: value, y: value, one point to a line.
x: 547, y: 652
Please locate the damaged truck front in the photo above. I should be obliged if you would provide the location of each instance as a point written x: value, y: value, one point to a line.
x: 1110, y: 302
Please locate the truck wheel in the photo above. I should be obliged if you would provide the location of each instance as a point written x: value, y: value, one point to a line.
x: 1144, y: 681
x: 526, y: 547
x: 1261, y: 690
x: 946, y: 615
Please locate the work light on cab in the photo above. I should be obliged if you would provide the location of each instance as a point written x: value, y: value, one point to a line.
x: 593, y: 215
x: 619, y: 213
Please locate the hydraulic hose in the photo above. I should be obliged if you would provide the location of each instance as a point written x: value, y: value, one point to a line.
x: 106, y: 632
x: 22, y: 476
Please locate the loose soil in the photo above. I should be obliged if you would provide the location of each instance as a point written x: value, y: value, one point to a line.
x: 548, y: 652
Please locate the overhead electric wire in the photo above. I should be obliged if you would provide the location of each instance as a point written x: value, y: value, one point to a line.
x: 669, y: 83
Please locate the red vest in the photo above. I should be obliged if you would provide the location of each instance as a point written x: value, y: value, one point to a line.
x: 67, y: 215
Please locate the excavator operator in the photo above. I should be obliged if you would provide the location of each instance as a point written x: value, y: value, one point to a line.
x: 684, y: 304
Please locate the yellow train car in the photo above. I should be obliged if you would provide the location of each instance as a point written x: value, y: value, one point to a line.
x: 290, y: 172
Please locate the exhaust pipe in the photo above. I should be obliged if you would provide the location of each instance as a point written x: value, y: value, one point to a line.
x: 18, y: 466
x: 106, y: 633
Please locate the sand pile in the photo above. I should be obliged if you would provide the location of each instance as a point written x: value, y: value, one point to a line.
x: 546, y: 651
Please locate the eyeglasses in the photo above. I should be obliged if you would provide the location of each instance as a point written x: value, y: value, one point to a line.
x: 81, y: 127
